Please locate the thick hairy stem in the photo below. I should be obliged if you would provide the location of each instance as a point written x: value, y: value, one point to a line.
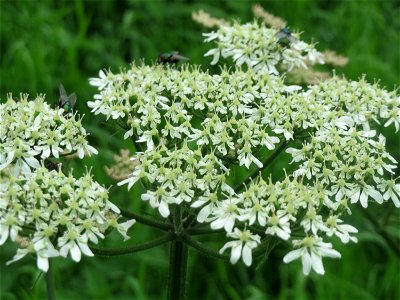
x: 266, y: 163
x: 145, y: 220
x: 128, y: 250
x: 177, y: 270
x: 178, y: 257
x: 50, y: 286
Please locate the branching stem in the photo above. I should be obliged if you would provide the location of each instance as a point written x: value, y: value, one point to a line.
x: 128, y: 250
x: 266, y: 163
x: 146, y: 220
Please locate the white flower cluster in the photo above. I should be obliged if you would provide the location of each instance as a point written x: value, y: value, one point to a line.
x: 50, y: 214
x: 261, y: 48
x: 193, y: 127
x: 46, y: 212
x: 349, y: 164
x: 178, y: 176
x: 162, y: 105
x: 361, y: 101
x: 31, y: 131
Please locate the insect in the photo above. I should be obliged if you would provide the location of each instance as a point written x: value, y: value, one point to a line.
x: 285, y: 37
x: 66, y: 102
x: 51, y: 165
x: 170, y: 58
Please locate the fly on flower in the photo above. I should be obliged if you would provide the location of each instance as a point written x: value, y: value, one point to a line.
x: 66, y: 102
x: 170, y: 58
x: 285, y: 37
x: 52, y: 165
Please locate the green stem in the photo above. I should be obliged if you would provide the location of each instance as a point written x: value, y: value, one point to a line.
x: 50, y: 286
x: 177, y: 270
x: 67, y: 154
x: 128, y: 250
x: 202, y: 249
x: 145, y: 220
x: 266, y: 163
x: 198, y: 231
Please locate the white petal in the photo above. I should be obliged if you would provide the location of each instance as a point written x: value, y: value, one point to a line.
x: 203, y: 214
x: 33, y: 162
x: 42, y: 263
x: 229, y: 224
x: 257, y: 162
x: 307, y: 263
x: 317, y: 263
x: 20, y: 254
x: 292, y: 255
x: 85, y: 249
x: 163, y: 209
x: 92, y: 150
x: 328, y: 252
x: 113, y: 207
x: 246, y: 256
x: 10, y: 157
x: 364, y: 199
x: 375, y: 195
x: 236, y: 252
x: 81, y: 153
x: 75, y: 252
x: 217, y: 224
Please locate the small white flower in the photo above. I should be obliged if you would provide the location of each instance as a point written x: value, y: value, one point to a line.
x: 101, y: 82
x: 363, y: 192
x: 159, y: 199
x: 391, y: 191
x: 225, y: 214
x: 74, y: 243
x: 42, y: 254
x: 311, y: 252
x: 242, y: 247
x: 340, y: 230
x: 279, y: 225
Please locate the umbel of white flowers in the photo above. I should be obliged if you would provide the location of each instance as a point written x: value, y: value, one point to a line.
x: 48, y: 213
x: 191, y: 127
x: 260, y: 48
x: 32, y: 129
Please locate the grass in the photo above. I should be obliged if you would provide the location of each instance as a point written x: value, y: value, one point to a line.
x: 48, y: 42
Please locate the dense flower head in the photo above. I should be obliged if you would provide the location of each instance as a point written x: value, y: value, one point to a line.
x: 49, y: 214
x: 178, y: 175
x: 191, y: 128
x: 162, y: 105
x: 30, y: 131
x: 261, y: 48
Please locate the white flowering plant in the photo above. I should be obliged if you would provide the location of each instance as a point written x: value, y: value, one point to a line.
x: 44, y: 211
x: 192, y: 130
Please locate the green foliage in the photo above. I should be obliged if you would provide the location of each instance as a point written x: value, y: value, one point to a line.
x: 44, y: 43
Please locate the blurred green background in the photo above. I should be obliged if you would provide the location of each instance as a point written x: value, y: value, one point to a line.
x: 44, y: 43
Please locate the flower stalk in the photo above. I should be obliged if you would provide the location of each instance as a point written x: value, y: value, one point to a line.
x: 129, y: 250
x: 177, y: 270
x: 50, y: 286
